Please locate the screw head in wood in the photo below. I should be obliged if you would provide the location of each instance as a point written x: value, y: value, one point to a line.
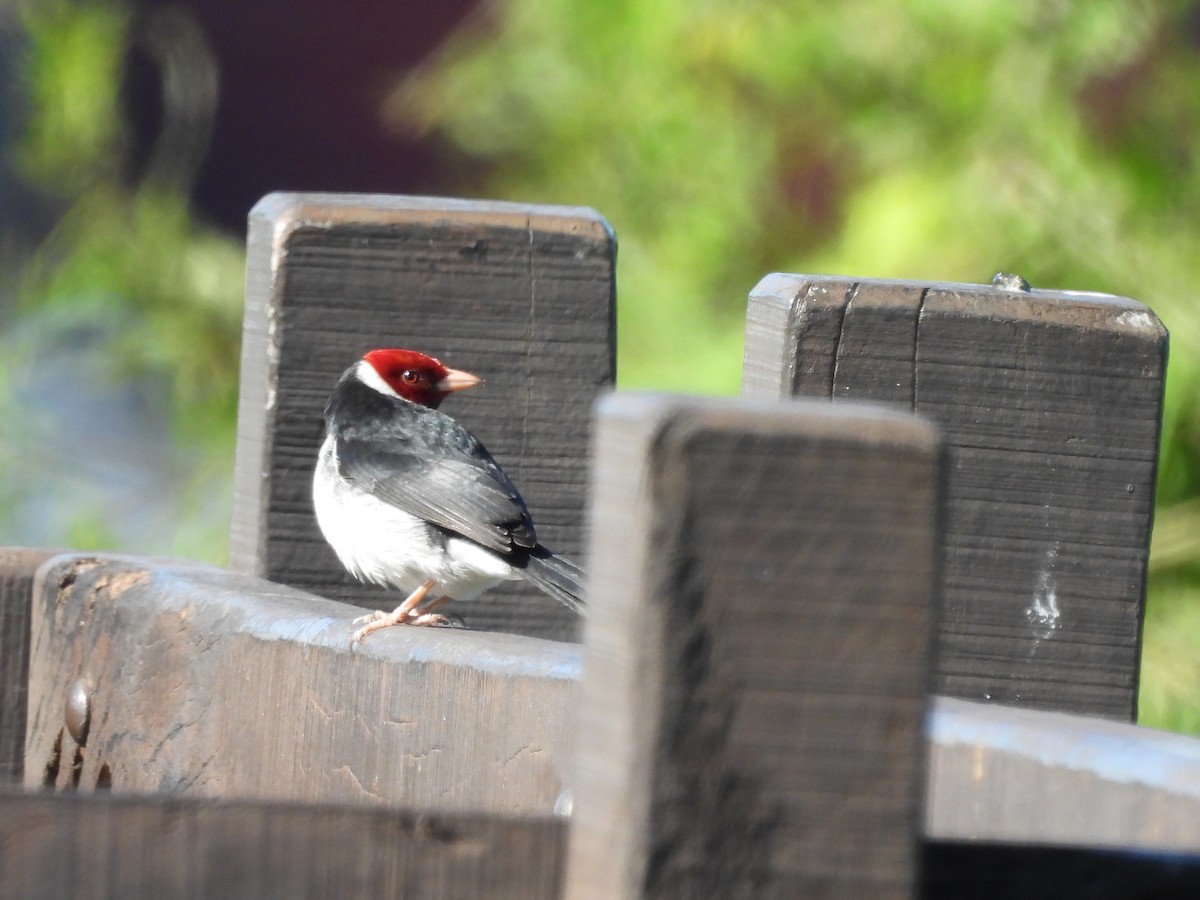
x: 79, y: 710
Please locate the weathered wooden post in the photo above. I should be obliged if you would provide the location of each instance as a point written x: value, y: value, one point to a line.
x: 1051, y: 406
x: 757, y: 651
x: 521, y: 295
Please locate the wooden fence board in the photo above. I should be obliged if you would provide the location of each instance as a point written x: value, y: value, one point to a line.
x: 60, y: 847
x: 17, y: 568
x: 757, y: 651
x: 72, y: 846
x: 998, y: 773
x: 1055, y: 406
x: 207, y: 683
x: 1051, y: 406
x: 520, y: 295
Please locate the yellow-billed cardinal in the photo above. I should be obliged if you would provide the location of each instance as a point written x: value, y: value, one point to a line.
x: 410, y: 499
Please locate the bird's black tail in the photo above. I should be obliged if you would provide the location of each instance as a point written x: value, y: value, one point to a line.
x: 556, y: 575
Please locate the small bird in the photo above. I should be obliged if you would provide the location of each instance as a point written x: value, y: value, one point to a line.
x: 410, y: 499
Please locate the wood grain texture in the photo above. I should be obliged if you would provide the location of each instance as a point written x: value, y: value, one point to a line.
x: 1054, y: 405
x: 998, y: 773
x: 520, y: 295
x: 757, y: 651
x: 75, y: 847
x: 875, y: 347
x: 208, y: 683
x: 17, y: 568
x: 1051, y: 406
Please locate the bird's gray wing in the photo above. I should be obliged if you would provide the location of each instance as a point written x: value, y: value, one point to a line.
x: 463, y: 492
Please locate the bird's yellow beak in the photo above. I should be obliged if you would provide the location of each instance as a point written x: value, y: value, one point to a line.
x: 457, y: 380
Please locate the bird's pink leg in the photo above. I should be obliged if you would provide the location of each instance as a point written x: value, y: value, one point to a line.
x: 407, y: 613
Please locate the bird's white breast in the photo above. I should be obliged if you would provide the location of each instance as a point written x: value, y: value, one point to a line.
x: 379, y: 543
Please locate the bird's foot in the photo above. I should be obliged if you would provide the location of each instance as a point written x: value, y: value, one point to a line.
x: 410, y: 612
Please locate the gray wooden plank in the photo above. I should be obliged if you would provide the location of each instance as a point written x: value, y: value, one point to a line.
x: 17, y: 568
x: 1051, y: 406
x: 71, y: 847
x: 999, y: 773
x: 521, y: 295
x: 207, y: 683
x: 757, y: 650
x: 1052, y: 403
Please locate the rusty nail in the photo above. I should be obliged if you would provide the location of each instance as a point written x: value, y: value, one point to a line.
x: 79, y: 710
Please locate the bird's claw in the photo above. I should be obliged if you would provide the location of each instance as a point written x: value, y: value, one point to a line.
x: 439, y: 620
x: 434, y: 620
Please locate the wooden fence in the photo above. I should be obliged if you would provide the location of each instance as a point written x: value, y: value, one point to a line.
x: 798, y: 610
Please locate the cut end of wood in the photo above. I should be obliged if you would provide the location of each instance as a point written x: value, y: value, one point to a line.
x: 290, y: 211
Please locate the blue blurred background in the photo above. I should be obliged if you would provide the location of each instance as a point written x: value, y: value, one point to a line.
x: 925, y: 139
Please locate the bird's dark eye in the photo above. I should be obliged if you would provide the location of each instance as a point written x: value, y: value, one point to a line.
x: 408, y: 376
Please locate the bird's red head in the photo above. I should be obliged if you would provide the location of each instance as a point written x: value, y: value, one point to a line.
x: 417, y: 377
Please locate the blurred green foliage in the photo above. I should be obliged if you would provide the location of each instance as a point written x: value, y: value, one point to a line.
x: 157, y: 295
x: 129, y: 254
x: 929, y: 139
x: 71, y: 76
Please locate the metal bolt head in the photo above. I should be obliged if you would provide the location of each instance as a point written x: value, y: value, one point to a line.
x: 79, y: 710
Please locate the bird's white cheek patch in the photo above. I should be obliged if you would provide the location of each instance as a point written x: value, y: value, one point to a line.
x: 366, y: 373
